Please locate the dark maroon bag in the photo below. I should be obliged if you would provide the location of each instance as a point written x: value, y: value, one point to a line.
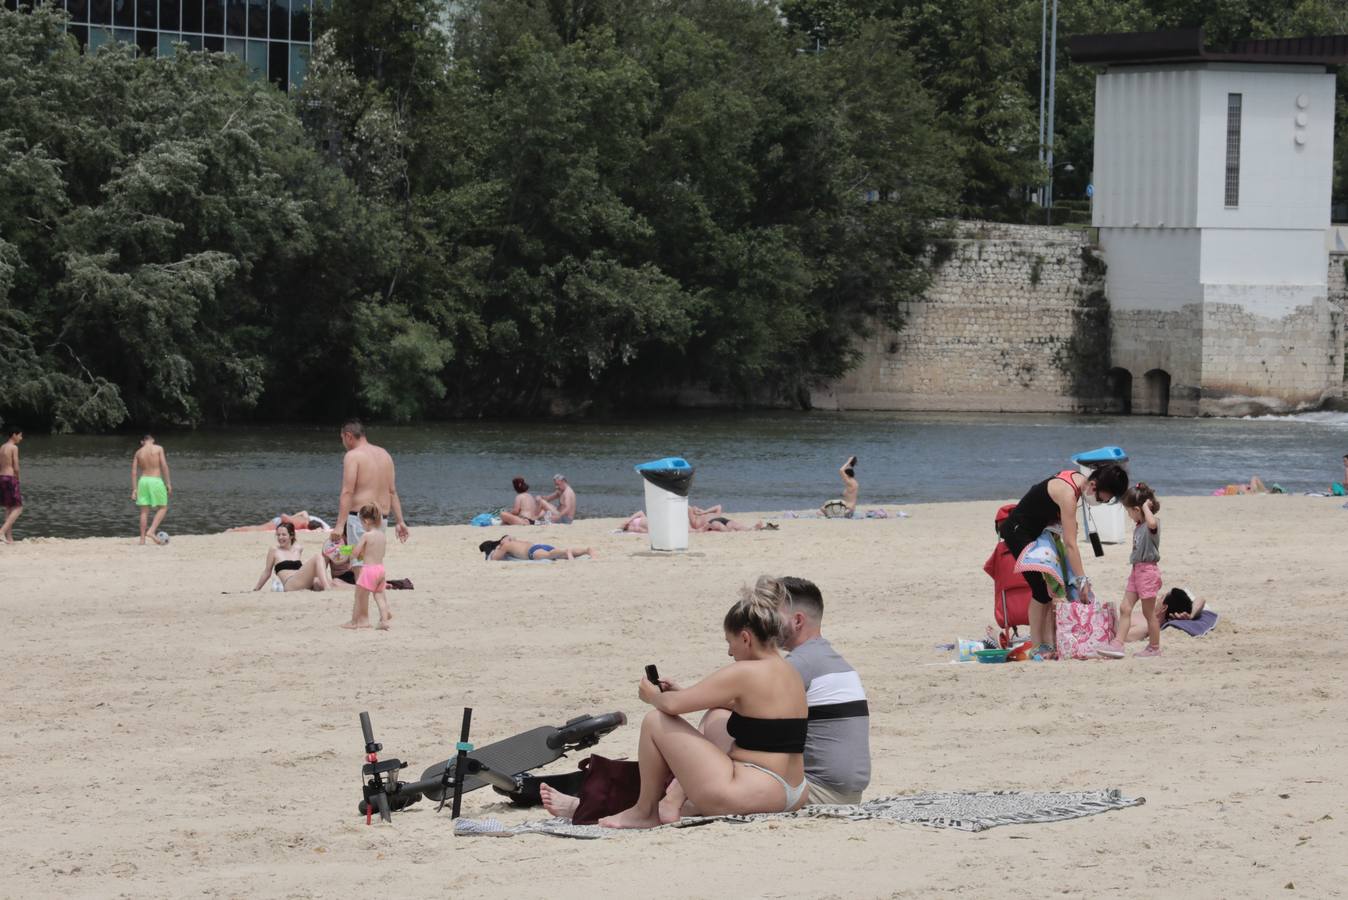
x: 608, y: 787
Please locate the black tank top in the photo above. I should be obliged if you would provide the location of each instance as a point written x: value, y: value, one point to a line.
x: 768, y: 735
x: 1037, y: 510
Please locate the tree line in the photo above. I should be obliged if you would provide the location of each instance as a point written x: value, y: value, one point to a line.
x: 515, y: 207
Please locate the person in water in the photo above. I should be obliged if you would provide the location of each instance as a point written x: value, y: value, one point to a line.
x: 151, y: 486
x: 287, y: 571
x: 369, y: 551
x: 11, y: 498
x: 765, y: 769
x: 846, y: 506
x: 508, y: 547
x: 1054, y: 501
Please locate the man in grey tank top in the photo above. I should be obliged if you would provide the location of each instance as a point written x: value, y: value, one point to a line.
x: 838, y: 742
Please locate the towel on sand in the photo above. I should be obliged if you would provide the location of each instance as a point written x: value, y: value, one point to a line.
x: 1205, y: 622
x: 960, y: 810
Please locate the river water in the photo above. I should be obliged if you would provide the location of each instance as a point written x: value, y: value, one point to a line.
x: 79, y: 486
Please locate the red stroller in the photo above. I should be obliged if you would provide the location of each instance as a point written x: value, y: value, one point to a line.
x: 1011, y: 592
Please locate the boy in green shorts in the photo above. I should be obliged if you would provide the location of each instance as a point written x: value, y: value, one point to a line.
x: 151, y: 485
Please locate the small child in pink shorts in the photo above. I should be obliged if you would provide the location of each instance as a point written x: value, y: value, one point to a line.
x: 1144, y: 581
x: 370, y: 551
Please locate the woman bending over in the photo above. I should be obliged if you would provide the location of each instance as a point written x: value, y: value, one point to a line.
x: 764, y: 770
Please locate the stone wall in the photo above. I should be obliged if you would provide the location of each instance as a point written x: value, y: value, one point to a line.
x: 1015, y: 320
x: 1338, y: 300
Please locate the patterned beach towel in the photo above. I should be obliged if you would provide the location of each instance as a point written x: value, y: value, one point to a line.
x: 960, y: 810
x: 1048, y: 557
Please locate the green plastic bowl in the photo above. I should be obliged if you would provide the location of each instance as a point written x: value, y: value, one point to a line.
x: 991, y: 656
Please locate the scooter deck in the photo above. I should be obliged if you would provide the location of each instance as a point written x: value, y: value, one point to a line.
x: 512, y: 756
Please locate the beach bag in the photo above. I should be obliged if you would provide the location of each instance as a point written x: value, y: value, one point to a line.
x: 1081, y: 625
x: 608, y: 787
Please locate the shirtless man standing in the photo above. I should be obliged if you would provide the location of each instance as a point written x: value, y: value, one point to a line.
x: 566, y: 500
x: 151, y: 485
x: 11, y: 498
x: 367, y: 477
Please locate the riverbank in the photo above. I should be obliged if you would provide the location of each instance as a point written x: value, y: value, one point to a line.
x: 187, y: 736
x: 77, y: 485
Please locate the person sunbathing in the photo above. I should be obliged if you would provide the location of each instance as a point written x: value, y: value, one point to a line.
x: 1178, y: 603
x: 528, y: 509
x: 286, y: 571
x: 765, y: 769
x: 636, y: 523
x: 511, y: 548
x: 302, y: 521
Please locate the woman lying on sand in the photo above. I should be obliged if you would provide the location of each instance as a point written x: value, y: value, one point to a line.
x: 699, y: 519
x: 301, y: 520
x: 284, y: 564
x: 517, y: 549
x: 765, y: 769
x: 1178, y: 603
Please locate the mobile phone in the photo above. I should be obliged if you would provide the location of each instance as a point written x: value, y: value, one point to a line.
x: 653, y: 676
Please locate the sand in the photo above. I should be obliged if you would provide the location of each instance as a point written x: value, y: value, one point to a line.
x: 171, y: 733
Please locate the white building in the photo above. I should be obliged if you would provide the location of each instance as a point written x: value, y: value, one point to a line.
x: 1212, y: 184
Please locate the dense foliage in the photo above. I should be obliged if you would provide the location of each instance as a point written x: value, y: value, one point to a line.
x: 979, y: 60
x: 535, y: 205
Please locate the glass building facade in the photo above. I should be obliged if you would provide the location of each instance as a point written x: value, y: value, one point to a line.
x: 272, y: 37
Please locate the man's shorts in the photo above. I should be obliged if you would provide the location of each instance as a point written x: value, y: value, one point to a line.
x: 827, y: 796
x: 1144, y: 580
x: 10, y: 495
x: 150, y: 491
x: 355, y: 530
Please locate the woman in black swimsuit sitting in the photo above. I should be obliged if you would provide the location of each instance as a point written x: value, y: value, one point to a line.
x: 765, y: 769
x: 1053, y: 501
x: 285, y: 565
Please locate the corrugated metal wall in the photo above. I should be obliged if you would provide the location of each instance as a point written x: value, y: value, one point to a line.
x: 1146, y: 148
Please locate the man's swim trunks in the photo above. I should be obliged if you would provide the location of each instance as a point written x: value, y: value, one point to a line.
x: 10, y: 495
x: 150, y: 491
x: 355, y: 529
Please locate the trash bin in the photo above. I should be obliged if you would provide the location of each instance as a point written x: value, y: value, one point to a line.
x: 667, y: 483
x: 1111, y: 520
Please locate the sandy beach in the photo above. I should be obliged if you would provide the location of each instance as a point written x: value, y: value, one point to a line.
x: 170, y: 733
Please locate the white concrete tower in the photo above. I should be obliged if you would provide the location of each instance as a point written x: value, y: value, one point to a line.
x: 1213, y: 174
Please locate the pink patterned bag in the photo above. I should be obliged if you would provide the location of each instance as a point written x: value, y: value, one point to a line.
x: 1082, y: 625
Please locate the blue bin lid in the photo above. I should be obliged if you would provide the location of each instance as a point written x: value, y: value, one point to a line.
x: 1101, y: 455
x: 664, y: 465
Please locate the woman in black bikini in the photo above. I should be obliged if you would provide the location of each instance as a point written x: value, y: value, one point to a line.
x: 285, y: 565
x: 765, y: 768
x: 1053, y: 501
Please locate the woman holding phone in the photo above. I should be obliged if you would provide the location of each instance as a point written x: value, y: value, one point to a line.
x: 764, y: 770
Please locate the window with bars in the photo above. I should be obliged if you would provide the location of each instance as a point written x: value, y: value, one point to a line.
x: 1233, y: 150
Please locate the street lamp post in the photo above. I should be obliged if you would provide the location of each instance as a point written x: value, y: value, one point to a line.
x: 1048, y: 131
